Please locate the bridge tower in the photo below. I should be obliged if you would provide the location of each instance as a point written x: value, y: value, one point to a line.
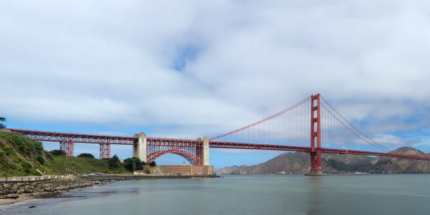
x: 140, y: 150
x: 315, y: 154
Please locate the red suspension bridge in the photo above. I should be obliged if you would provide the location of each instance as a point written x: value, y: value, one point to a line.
x: 312, y: 125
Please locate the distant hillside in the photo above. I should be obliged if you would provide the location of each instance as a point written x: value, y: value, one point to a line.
x: 20, y: 156
x: 298, y: 162
x: 406, y: 165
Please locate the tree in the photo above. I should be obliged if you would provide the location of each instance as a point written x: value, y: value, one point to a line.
x: 2, y: 119
x: 133, y: 164
x: 40, y: 159
x: 86, y: 155
x: 114, y: 162
x: 152, y: 164
x: 58, y: 153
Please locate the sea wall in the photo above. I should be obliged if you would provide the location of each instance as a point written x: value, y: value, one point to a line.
x: 13, y: 189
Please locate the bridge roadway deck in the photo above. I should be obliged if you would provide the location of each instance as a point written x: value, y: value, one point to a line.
x: 234, y: 145
x: 75, y: 137
x: 124, y: 140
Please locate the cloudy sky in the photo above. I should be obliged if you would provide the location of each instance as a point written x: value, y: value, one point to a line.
x: 201, y: 68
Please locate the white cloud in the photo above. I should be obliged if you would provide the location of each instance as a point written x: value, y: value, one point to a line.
x: 89, y: 62
x: 389, y: 139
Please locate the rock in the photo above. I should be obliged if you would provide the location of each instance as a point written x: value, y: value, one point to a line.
x: 33, y: 206
x: 62, y: 187
x: 38, y: 188
x: 12, y: 196
x: 48, y: 189
x: 20, y: 191
x: 15, y: 187
x: 28, y: 189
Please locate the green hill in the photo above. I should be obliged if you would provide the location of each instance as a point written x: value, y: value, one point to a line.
x: 21, y: 156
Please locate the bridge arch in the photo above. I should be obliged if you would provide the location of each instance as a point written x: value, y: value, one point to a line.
x: 192, y: 158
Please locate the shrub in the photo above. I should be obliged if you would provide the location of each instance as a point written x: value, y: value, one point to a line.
x: 8, y: 150
x: 40, y: 159
x: 133, y: 164
x: 2, y: 119
x: 27, y: 167
x: 48, y: 155
x: 114, y: 162
x: 86, y: 155
x: 38, y: 147
x: 152, y: 164
x: 58, y: 153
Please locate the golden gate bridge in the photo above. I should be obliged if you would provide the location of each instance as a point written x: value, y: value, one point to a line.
x: 311, y: 125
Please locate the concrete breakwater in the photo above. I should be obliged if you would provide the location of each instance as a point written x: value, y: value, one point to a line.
x: 15, y: 189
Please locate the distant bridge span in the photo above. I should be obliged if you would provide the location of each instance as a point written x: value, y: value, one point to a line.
x: 169, y: 142
x: 287, y: 130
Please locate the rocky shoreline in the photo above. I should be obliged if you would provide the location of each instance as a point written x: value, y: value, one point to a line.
x: 14, y: 191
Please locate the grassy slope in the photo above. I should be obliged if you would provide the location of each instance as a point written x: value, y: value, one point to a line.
x: 20, y: 156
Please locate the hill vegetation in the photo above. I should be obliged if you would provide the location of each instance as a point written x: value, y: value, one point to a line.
x: 2, y: 119
x: 22, y: 156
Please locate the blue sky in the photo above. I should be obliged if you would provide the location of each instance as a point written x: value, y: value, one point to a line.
x: 191, y: 69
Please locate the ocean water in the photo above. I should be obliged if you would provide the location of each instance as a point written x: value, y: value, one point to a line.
x: 389, y: 194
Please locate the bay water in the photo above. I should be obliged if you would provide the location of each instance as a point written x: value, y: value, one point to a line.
x: 390, y: 194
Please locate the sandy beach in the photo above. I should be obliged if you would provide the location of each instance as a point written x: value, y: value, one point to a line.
x: 13, y: 201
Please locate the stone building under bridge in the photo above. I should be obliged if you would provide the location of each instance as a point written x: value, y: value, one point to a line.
x: 188, y: 169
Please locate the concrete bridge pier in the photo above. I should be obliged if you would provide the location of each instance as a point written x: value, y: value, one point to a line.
x: 139, y: 150
x: 205, y: 151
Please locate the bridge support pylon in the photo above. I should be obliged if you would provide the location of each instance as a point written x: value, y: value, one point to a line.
x: 105, y: 150
x: 315, y: 168
x: 67, y: 147
x: 140, y: 150
x: 206, y: 151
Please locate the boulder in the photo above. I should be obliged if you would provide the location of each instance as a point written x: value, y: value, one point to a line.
x: 28, y: 189
x: 39, y: 189
x: 12, y: 196
x: 20, y: 191
x: 48, y: 189
x: 62, y: 187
